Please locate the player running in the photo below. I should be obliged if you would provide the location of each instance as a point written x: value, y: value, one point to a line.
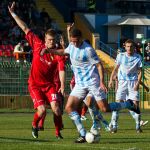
x: 89, y: 77
x: 128, y: 67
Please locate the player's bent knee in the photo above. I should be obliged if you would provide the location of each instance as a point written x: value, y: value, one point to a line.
x: 41, y: 110
x: 67, y: 109
x: 104, y: 109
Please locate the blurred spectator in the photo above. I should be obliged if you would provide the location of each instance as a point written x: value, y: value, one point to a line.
x: 46, y: 19
x: 147, y: 52
x: 15, y: 33
x: 28, y: 51
x: 11, y: 34
x: 54, y: 25
x: 138, y: 48
x: 19, y: 52
x: 44, y: 14
x: 147, y: 47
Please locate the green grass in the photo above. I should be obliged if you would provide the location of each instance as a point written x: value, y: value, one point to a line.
x: 15, y: 134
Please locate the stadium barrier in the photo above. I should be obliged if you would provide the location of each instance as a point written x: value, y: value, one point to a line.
x: 14, y: 86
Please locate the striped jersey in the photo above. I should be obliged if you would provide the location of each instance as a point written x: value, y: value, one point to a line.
x: 84, y: 60
x: 129, y: 66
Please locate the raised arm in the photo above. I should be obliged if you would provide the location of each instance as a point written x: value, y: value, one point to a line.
x: 69, y: 27
x: 20, y: 23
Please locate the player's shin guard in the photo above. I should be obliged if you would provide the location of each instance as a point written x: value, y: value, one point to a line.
x: 58, y: 124
x: 41, y: 122
x: 77, y: 121
x: 137, y: 118
x: 36, y: 120
x: 91, y: 113
x: 96, y: 116
x: 114, y: 119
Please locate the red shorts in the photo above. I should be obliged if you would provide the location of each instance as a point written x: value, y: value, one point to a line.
x: 42, y: 96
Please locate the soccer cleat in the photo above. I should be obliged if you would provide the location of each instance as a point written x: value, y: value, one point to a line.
x: 139, y: 130
x: 83, y: 118
x: 35, y: 132
x: 40, y: 128
x: 143, y: 123
x: 113, y: 130
x: 80, y: 139
x: 59, y: 136
x: 133, y: 107
x: 107, y: 128
x: 94, y: 131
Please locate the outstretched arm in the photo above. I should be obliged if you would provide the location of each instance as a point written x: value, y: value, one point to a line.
x: 101, y: 73
x: 20, y: 23
x: 60, y: 52
x: 62, y: 81
x: 113, y: 75
x: 136, y: 87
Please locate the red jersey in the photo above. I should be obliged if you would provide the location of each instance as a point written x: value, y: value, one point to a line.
x: 60, y: 67
x: 43, y: 68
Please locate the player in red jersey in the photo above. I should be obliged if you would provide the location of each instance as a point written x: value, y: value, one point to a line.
x: 59, y: 81
x: 41, y: 81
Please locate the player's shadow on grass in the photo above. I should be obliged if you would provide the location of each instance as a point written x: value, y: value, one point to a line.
x: 9, y: 139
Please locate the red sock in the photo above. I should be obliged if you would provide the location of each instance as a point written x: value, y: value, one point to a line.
x: 58, y: 124
x: 41, y: 122
x: 84, y: 110
x: 36, y: 119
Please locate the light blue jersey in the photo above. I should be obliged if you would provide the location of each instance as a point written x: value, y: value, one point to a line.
x: 129, y: 66
x: 83, y: 61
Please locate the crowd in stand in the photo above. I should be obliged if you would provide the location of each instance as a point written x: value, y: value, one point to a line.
x: 11, y: 35
x: 39, y: 22
x: 139, y: 49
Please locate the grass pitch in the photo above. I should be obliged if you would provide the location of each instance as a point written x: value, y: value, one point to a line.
x: 15, y: 134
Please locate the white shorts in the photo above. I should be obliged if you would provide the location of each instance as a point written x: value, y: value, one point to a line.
x: 86, y: 100
x: 126, y: 90
x: 81, y: 92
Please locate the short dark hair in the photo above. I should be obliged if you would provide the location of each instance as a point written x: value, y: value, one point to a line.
x: 130, y: 41
x: 51, y: 32
x: 75, y: 33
